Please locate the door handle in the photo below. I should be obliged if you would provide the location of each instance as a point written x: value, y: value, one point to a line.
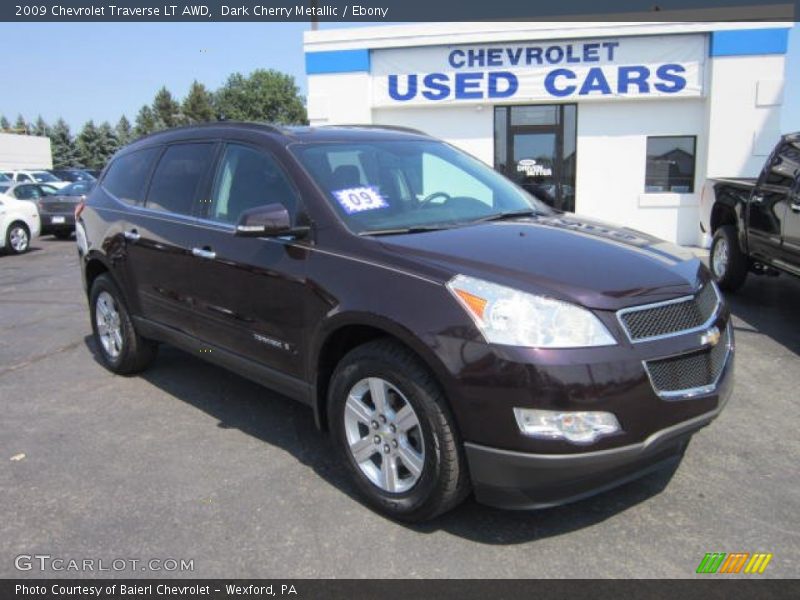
x: 204, y: 253
x: 757, y: 199
x: 795, y: 206
x: 132, y: 235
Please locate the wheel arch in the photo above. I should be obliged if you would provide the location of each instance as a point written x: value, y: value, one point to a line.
x: 94, y: 266
x: 723, y: 214
x: 347, y: 332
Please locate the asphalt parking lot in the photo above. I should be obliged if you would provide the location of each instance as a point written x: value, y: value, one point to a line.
x: 189, y: 461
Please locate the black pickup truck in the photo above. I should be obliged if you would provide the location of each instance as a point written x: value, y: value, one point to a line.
x: 755, y: 223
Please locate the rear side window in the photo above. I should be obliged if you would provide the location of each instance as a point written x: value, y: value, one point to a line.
x: 27, y: 192
x: 178, y: 177
x: 127, y: 176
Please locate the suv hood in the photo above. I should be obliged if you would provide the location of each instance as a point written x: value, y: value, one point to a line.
x: 595, y: 264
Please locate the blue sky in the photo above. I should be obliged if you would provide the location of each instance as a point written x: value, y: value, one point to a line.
x: 100, y: 71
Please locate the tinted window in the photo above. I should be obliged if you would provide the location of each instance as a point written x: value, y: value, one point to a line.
x: 23, y: 177
x: 49, y: 190
x: 247, y: 178
x: 127, y: 176
x: 784, y: 167
x: 78, y: 188
x: 27, y: 192
x: 178, y: 177
x: 44, y: 177
x: 670, y: 164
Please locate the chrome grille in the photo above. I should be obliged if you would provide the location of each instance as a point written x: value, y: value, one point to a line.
x: 671, y: 317
x: 696, y: 372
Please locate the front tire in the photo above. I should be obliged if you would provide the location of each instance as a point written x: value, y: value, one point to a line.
x: 121, y: 349
x: 18, y: 238
x: 393, y: 430
x: 728, y: 262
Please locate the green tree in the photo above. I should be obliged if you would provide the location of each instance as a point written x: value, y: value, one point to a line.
x: 264, y: 95
x: 123, y: 131
x: 21, y: 126
x: 40, y: 127
x: 198, y: 105
x: 107, y: 144
x: 4, y: 124
x: 145, y: 121
x: 62, y: 146
x: 166, y: 109
x: 87, y: 146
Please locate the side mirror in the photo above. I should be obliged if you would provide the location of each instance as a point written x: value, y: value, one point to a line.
x: 269, y: 220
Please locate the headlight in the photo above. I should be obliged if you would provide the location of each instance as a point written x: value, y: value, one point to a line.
x: 513, y: 318
x: 575, y: 427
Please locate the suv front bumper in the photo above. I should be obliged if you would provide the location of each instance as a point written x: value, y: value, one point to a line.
x: 521, y: 480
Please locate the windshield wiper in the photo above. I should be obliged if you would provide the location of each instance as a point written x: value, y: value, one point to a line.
x: 526, y: 212
x: 400, y: 230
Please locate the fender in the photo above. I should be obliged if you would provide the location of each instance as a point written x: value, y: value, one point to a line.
x: 95, y: 255
x: 392, y: 328
x: 733, y: 196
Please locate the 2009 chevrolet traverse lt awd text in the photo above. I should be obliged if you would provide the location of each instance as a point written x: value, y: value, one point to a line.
x: 451, y: 333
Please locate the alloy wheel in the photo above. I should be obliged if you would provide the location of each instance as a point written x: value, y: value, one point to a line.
x: 18, y: 238
x: 109, y: 325
x: 719, y: 260
x: 384, y: 435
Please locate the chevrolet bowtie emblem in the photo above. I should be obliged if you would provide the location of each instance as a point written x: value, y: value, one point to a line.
x: 710, y: 337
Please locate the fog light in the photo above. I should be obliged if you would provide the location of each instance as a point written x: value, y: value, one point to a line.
x: 575, y: 427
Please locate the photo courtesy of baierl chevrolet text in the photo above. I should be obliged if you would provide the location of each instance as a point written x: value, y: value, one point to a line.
x: 307, y: 299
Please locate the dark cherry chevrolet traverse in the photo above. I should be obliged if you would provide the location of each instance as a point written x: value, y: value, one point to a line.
x: 452, y: 333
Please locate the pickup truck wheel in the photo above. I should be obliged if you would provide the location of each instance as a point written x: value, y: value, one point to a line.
x: 394, y: 432
x: 728, y: 262
x: 121, y: 349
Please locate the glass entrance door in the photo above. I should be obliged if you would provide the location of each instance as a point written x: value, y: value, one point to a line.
x: 535, y: 147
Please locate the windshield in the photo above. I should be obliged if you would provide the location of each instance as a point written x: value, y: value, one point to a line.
x: 4, y: 177
x: 44, y: 177
x: 382, y: 186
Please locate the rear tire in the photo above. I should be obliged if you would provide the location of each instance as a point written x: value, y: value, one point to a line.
x: 121, y: 349
x: 727, y: 261
x: 414, y: 429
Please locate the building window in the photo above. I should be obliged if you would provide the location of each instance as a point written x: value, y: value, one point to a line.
x: 670, y: 164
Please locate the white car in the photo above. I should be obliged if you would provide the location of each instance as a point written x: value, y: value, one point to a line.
x: 35, y: 177
x: 19, y: 224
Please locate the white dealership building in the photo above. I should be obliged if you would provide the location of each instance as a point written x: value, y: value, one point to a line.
x: 618, y: 121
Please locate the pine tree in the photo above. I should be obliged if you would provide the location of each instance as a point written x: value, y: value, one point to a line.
x: 87, y: 146
x: 41, y: 128
x: 21, y: 126
x: 107, y: 144
x: 145, y: 121
x: 62, y: 146
x: 123, y: 131
x: 165, y: 109
x: 4, y: 124
x: 197, y: 106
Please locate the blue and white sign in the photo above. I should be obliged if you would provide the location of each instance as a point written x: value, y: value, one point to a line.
x: 602, y: 69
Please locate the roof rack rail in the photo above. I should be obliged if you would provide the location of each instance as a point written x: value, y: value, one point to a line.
x: 377, y: 126
x: 260, y: 124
